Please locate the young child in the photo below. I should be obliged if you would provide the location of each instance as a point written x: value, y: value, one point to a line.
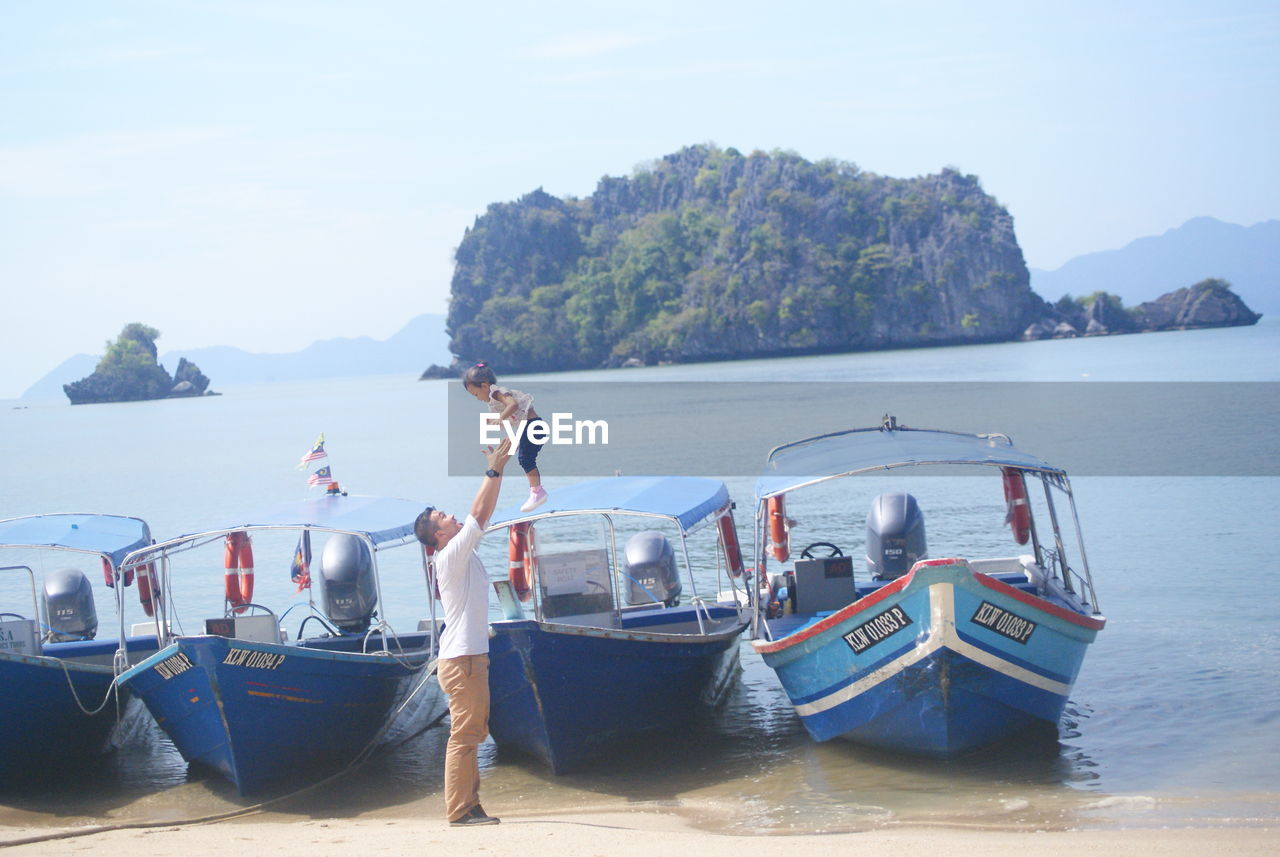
x: 511, y: 406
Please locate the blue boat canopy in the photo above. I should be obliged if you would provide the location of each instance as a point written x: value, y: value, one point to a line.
x: 686, y: 500
x: 382, y: 520
x: 817, y: 459
x: 112, y: 536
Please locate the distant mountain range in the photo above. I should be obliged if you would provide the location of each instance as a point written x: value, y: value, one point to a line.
x: 421, y: 342
x: 1248, y: 257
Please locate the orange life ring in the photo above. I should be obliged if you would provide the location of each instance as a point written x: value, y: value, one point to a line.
x: 779, y: 535
x: 520, y: 559
x: 237, y: 559
x: 148, y: 591
x: 729, y: 538
x: 1019, y: 509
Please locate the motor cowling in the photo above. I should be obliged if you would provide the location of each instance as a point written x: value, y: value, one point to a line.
x: 895, y: 535
x: 346, y: 568
x: 650, y: 566
x: 69, y: 607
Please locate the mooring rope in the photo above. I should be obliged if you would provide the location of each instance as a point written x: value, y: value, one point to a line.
x: 359, y: 759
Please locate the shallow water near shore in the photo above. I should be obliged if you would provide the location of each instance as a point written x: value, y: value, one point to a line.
x: 1172, y: 721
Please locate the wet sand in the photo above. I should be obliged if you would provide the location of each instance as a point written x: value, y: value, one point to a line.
x: 619, y: 833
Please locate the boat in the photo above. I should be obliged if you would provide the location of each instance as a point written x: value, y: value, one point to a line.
x: 240, y: 697
x: 59, y: 678
x: 603, y: 639
x: 928, y: 656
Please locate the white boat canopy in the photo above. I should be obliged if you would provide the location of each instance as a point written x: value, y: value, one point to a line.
x: 380, y: 520
x: 111, y: 536
x: 846, y: 453
x: 687, y: 500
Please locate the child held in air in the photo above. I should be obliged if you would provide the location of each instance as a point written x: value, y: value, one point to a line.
x: 512, y: 406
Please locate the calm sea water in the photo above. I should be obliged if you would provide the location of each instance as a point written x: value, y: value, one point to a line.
x: 1175, y: 718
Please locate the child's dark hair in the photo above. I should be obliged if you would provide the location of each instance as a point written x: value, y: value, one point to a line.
x: 477, y: 375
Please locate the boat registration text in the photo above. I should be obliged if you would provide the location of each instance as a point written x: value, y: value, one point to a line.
x: 1003, y: 622
x: 251, y: 658
x: 876, y: 629
x: 173, y: 665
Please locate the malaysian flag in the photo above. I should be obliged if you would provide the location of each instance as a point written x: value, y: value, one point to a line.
x: 317, y: 452
x: 323, y: 476
x: 300, y: 568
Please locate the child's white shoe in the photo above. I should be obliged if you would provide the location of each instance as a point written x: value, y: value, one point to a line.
x: 537, y: 496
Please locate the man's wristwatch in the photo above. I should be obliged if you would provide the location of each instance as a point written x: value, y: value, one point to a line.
x: 492, y: 474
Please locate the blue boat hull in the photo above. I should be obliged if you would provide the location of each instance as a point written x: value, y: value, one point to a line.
x: 938, y: 663
x: 564, y: 693
x: 259, y: 713
x: 43, y: 722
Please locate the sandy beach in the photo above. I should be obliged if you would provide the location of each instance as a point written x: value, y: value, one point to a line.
x: 618, y: 834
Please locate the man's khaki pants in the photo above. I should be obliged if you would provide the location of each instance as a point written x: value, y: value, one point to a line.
x: 466, y: 680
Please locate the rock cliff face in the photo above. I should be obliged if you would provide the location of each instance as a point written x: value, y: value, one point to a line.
x: 188, y: 380
x: 710, y: 254
x: 129, y: 372
x: 1208, y: 303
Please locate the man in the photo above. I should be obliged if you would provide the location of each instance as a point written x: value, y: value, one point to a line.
x: 464, y: 644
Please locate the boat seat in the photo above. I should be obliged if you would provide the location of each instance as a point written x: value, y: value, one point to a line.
x: 574, y: 583
x: 103, y: 650
x: 1016, y: 571
x: 576, y: 604
x: 255, y: 628
x: 658, y: 618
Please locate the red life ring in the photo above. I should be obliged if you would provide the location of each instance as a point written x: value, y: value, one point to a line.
x: 1019, y: 509
x: 148, y: 591
x: 779, y: 535
x: 109, y: 574
x: 729, y: 538
x: 237, y: 559
x: 520, y: 559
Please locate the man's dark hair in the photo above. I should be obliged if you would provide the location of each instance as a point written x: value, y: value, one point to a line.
x: 424, y: 529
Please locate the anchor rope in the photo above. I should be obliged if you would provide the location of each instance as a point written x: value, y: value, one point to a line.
x: 112, y: 690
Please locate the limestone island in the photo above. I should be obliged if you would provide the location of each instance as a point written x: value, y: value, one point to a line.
x: 710, y: 254
x: 1208, y: 303
x: 130, y: 371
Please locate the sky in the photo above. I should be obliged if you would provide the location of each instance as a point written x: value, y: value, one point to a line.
x: 265, y: 174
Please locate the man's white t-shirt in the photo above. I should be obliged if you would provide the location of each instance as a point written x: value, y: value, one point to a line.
x: 464, y: 592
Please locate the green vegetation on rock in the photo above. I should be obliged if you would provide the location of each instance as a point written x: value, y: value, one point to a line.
x: 709, y: 254
x: 129, y: 371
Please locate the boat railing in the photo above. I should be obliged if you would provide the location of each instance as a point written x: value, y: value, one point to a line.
x: 388, y: 635
x: 1083, y: 586
x: 1076, y: 583
x: 1073, y: 582
x: 699, y: 611
x: 35, y: 604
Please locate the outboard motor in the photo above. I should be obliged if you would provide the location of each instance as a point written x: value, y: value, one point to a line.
x: 895, y: 535
x: 69, y: 607
x: 349, y: 592
x: 650, y: 566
